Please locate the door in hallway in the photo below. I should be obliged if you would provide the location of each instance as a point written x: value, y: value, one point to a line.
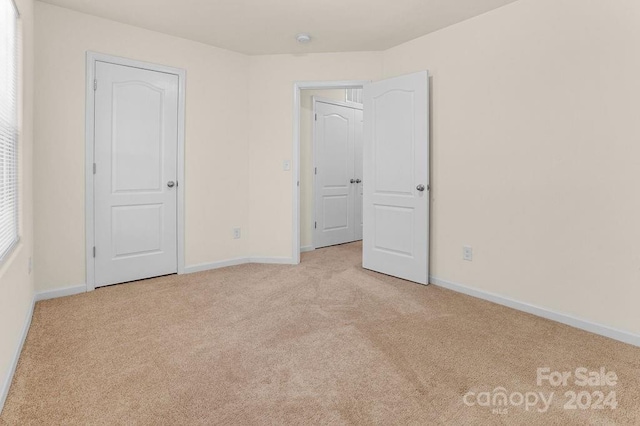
x: 396, y: 177
x: 337, y: 151
x: 136, y: 142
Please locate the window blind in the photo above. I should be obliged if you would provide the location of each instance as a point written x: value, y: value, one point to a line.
x: 8, y: 126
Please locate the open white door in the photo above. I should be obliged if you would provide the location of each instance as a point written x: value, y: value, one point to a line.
x: 396, y: 177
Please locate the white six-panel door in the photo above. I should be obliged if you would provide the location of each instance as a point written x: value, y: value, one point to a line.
x: 396, y: 177
x: 135, y: 187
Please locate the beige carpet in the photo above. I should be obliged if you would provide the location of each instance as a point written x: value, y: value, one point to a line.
x: 325, y: 342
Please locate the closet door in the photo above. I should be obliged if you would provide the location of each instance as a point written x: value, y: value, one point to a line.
x: 136, y: 148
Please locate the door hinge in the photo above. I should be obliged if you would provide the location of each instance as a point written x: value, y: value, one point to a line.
x: 95, y: 85
x: 315, y: 225
x: 94, y: 168
x: 94, y: 251
x: 316, y: 171
x: 316, y: 117
x: 298, y: 183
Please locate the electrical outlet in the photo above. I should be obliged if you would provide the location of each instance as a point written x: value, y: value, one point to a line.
x: 286, y: 165
x: 467, y: 253
x: 236, y: 233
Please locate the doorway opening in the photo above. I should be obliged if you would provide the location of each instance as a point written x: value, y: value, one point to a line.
x: 330, y: 168
x: 307, y: 97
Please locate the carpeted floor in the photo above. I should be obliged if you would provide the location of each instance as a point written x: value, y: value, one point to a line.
x: 323, y: 342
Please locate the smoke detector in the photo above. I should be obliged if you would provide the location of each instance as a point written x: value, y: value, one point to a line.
x: 303, y: 38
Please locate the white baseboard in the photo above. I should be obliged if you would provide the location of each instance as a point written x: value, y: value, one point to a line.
x: 61, y: 292
x: 215, y: 265
x: 603, y: 330
x: 6, y: 381
x: 275, y: 260
x: 307, y: 248
x: 237, y: 261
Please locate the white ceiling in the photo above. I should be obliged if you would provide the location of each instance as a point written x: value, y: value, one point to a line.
x: 269, y: 26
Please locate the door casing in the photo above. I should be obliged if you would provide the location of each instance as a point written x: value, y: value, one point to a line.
x: 91, y: 59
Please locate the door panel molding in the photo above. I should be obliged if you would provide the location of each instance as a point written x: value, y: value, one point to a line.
x: 91, y: 59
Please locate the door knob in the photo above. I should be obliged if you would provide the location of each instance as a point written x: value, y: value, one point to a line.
x: 352, y: 181
x: 358, y: 181
x: 171, y: 184
x: 420, y: 187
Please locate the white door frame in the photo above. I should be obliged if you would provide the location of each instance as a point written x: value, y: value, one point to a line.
x: 92, y: 58
x: 314, y: 100
x: 295, y: 177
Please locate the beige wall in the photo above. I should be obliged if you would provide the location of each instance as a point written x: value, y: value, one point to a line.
x: 16, y: 284
x: 306, y: 159
x: 217, y: 174
x: 536, y: 153
x: 271, y: 81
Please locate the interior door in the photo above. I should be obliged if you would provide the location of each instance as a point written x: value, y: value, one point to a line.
x: 334, y: 157
x: 136, y: 142
x: 396, y: 177
x: 359, y: 197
